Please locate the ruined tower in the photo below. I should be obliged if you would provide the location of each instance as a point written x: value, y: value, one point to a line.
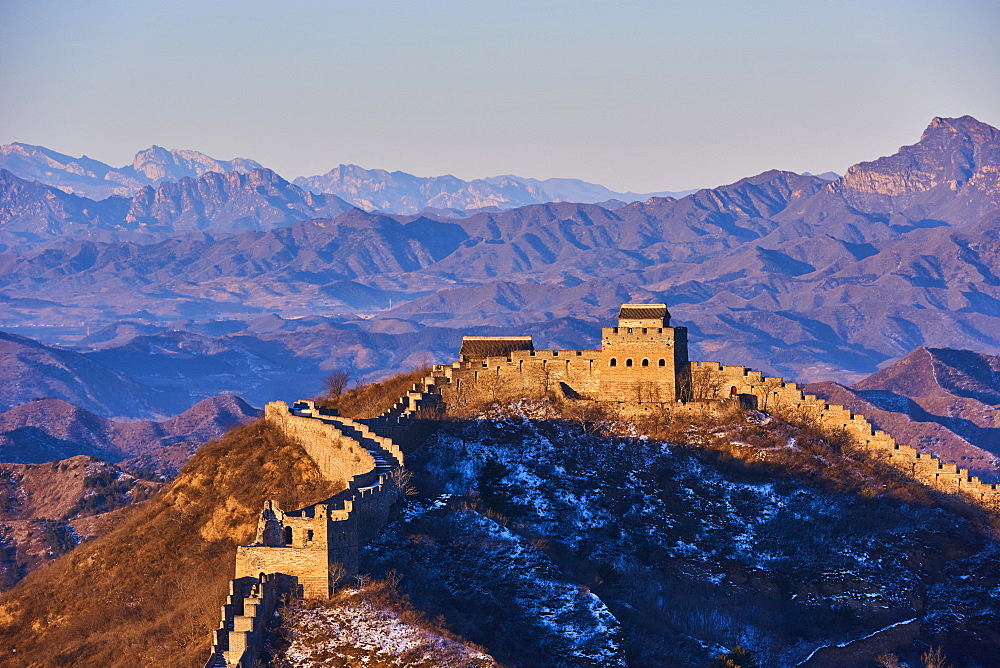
x: 644, y: 358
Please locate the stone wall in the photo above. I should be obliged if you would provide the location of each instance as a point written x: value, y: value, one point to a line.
x: 311, y: 549
x: 708, y: 386
x: 774, y: 394
x: 245, y: 618
x: 642, y: 369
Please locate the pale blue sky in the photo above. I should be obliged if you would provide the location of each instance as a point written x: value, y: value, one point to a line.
x: 635, y: 95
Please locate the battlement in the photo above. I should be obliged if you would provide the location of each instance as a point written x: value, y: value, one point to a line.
x: 643, y: 364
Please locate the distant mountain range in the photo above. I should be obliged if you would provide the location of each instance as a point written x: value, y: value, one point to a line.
x: 96, y: 180
x: 37, y: 215
x: 399, y: 192
x: 799, y: 275
x: 370, y: 189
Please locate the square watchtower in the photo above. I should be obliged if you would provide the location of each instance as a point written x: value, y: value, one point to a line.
x: 644, y: 358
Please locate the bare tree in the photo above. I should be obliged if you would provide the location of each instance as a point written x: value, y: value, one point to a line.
x: 335, y: 384
x: 588, y: 415
x: 336, y: 574
x: 402, y: 479
x: 768, y: 391
x: 705, y: 384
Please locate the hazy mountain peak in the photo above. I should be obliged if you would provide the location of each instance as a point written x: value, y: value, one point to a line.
x: 405, y: 193
x: 97, y: 180
x: 963, y: 125
x: 159, y: 164
x: 951, y: 151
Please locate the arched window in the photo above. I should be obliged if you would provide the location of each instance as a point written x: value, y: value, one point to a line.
x: 628, y: 362
x: 613, y: 362
x: 288, y: 535
x: 645, y: 362
x: 663, y: 362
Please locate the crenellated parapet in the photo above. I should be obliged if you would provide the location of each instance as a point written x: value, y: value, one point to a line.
x: 642, y: 369
x: 642, y: 365
x: 773, y: 393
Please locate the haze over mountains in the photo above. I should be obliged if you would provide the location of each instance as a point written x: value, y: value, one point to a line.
x: 218, y: 278
x: 50, y: 429
x: 795, y: 274
x: 370, y: 189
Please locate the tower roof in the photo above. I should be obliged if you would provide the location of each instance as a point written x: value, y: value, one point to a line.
x: 494, y: 346
x: 643, y: 312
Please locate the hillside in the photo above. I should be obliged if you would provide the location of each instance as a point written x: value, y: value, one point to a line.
x: 551, y: 537
x: 49, y: 509
x: 940, y: 400
x: 550, y: 540
x: 50, y: 429
x: 30, y: 370
x: 149, y: 592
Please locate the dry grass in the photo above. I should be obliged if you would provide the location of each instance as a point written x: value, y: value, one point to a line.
x: 149, y: 592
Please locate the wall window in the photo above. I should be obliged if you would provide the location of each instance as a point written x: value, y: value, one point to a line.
x: 288, y: 535
x: 309, y: 534
x: 628, y: 362
x: 663, y: 362
x: 645, y: 362
x: 613, y: 362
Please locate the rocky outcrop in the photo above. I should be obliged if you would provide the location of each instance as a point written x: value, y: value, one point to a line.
x: 96, y: 180
x: 951, y: 153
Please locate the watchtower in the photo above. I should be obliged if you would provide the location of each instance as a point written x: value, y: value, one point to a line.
x: 644, y: 358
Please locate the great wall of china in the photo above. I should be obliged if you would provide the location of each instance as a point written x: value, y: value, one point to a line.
x: 305, y: 552
x: 641, y: 368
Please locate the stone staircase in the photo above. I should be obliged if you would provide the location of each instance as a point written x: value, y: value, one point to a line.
x: 424, y: 394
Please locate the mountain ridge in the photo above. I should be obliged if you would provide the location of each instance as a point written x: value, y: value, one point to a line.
x: 371, y: 189
x: 940, y: 400
x: 50, y: 429
x: 777, y: 270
